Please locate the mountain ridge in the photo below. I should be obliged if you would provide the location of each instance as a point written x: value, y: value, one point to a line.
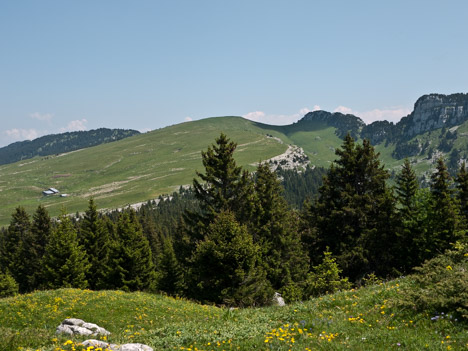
x: 62, y: 142
x: 148, y: 165
x: 430, y: 112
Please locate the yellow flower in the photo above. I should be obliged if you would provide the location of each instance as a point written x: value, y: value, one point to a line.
x: 449, y: 268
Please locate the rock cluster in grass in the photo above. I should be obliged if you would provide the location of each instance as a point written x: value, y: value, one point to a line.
x: 113, y: 347
x: 75, y: 326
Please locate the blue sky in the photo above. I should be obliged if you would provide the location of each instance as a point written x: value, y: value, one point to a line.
x: 75, y: 65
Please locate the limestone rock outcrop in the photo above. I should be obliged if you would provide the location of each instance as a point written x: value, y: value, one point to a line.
x: 75, y: 326
x: 436, y: 111
x: 114, y: 347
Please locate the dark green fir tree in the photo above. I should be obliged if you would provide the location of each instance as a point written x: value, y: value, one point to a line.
x: 224, y: 185
x: 354, y: 214
x: 411, y: 229
x: 94, y: 238
x: 223, y: 265
x: 171, y: 279
x: 16, y: 248
x: 40, y: 229
x: 65, y: 263
x: 132, y: 261
x: 462, y: 194
x: 275, y: 229
x: 444, y: 213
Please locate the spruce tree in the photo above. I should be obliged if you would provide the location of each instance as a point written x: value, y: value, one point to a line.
x: 40, y: 230
x: 133, y: 267
x: 223, y: 265
x: 275, y: 230
x: 171, y: 278
x: 224, y: 186
x: 409, y: 245
x: 64, y: 262
x: 152, y: 232
x: 354, y: 214
x: 95, y: 240
x: 462, y: 194
x: 16, y: 249
x: 444, y: 216
x: 407, y: 186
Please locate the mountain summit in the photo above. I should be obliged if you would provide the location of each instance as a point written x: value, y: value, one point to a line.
x: 431, y: 112
x: 435, y: 111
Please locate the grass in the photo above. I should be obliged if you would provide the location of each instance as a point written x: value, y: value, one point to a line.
x: 132, y: 170
x: 142, y: 167
x: 363, y: 319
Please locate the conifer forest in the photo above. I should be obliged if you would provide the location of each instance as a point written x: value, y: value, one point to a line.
x: 236, y: 237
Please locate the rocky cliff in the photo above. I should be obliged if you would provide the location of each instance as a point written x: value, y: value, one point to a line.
x: 435, y: 111
x: 432, y: 111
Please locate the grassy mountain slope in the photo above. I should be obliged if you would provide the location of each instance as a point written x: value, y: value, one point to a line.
x: 127, y: 171
x: 363, y: 319
x: 145, y: 166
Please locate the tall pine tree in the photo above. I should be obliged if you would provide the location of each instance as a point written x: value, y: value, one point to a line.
x: 275, y: 230
x: 40, y: 232
x: 171, y: 279
x: 224, y: 187
x: 95, y: 240
x: 411, y: 230
x: 444, y: 214
x: 17, y: 246
x: 224, y: 265
x: 133, y: 267
x: 64, y: 262
x: 354, y: 214
x: 462, y: 194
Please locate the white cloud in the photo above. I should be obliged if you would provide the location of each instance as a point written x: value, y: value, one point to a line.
x: 188, y: 119
x: 343, y: 109
x: 262, y: 117
x: 16, y: 134
x: 47, y: 117
x: 76, y: 125
x: 393, y: 114
x: 256, y: 116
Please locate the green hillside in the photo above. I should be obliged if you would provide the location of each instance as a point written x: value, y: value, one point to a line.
x: 144, y: 166
x: 128, y: 171
x: 364, y: 319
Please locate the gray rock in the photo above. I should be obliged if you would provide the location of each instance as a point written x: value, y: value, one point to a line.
x: 113, y: 347
x: 134, y: 347
x: 73, y: 321
x: 75, y: 326
x: 98, y: 343
x: 278, y: 300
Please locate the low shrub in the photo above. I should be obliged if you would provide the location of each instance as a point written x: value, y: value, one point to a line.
x: 8, y: 285
x: 440, y: 285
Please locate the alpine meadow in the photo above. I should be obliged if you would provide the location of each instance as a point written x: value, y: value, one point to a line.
x: 226, y: 234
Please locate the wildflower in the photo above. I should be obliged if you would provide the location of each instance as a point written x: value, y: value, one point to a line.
x: 449, y: 268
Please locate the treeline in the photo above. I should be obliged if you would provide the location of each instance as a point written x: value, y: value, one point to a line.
x: 300, y: 186
x: 60, y: 143
x: 233, y: 239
